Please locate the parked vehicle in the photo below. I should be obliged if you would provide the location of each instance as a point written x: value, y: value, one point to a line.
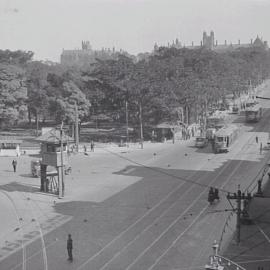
x: 35, y: 168
x: 225, y: 137
x: 201, y: 141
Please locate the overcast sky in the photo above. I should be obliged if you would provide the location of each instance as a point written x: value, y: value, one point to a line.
x: 47, y: 26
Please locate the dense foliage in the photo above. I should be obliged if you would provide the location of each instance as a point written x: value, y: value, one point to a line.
x: 171, y: 84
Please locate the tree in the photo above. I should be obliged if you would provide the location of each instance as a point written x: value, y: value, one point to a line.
x: 63, y: 94
x: 13, y: 94
x: 37, y: 84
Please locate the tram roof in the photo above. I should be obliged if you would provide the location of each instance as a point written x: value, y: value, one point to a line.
x: 253, y: 108
x: 227, y: 130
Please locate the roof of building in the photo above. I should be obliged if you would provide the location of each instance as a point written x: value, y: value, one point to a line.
x: 169, y: 124
x: 10, y: 140
x: 53, y: 136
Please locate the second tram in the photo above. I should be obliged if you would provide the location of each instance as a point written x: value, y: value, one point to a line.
x: 224, y: 138
x: 253, y: 114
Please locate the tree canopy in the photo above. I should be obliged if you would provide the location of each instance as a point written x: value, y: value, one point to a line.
x: 169, y: 84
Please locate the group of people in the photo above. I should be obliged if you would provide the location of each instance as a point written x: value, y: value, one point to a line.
x: 213, y: 195
x: 92, y: 147
x: 187, y: 133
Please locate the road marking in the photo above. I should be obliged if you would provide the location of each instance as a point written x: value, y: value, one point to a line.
x: 179, y: 236
x: 30, y: 237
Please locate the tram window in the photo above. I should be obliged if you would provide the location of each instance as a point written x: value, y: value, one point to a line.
x: 220, y: 139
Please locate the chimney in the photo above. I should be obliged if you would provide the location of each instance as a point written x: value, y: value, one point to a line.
x: 238, y: 41
x: 225, y: 42
x: 192, y: 43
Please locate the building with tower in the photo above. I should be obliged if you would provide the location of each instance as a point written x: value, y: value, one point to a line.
x: 86, y: 55
x: 209, y: 42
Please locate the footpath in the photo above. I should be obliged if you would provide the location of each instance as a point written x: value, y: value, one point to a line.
x: 253, y: 251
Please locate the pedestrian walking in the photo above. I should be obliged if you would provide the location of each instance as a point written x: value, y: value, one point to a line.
x: 14, y: 164
x: 92, y: 146
x: 261, y: 148
x: 69, y: 247
x: 257, y: 139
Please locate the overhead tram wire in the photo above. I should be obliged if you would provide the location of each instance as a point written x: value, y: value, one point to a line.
x: 166, y: 173
x: 162, y: 172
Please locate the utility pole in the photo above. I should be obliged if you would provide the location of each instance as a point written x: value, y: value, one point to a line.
x: 187, y: 115
x: 239, y: 197
x: 238, y: 213
x: 76, y: 128
x: 127, y: 133
x: 61, y: 178
x: 141, y: 126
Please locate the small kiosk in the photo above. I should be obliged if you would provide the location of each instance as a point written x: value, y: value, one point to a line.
x: 9, y: 147
x: 54, y: 146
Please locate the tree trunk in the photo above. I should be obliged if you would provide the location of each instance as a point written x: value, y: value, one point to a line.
x: 141, y: 126
x: 29, y: 115
x: 36, y: 116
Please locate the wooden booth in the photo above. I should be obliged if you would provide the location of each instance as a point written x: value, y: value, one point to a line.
x: 54, y: 152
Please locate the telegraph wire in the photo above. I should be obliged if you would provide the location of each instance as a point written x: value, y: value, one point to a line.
x: 160, y: 171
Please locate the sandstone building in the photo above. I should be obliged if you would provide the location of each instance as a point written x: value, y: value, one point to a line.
x: 209, y: 42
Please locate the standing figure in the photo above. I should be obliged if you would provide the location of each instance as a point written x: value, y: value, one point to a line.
x: 216, y: 192
x: 69, y: 248
x: 14, y: 164
x: 211, y: 195
x: 257, y: 140
x: 92, y: 146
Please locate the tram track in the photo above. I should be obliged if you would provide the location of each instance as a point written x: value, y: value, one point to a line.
x: 200, y: 204
x: 261, y: 127
x: 172, y: 199
x: 16, y: 212
x: 98, y: 256
x: 34, y: 218
x: 107, y: 265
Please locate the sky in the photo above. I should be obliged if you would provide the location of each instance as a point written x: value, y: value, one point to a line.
x: 46, y: 27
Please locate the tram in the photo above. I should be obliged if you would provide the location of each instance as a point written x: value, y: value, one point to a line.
x: 254, y: 113
x: 225, y: 137
x: 215, y: 122
x: 201, y: 141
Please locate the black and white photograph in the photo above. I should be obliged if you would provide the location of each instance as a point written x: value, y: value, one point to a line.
x: 134, y: 135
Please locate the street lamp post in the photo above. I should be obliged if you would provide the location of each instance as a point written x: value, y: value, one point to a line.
x: 127, y: 132
x: 141, y: 126
x: 76, y: 128
x: 61, y: 180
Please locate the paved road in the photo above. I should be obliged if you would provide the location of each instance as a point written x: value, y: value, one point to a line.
x: 159, y: 219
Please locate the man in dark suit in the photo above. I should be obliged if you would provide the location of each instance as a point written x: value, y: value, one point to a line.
x: 69, y: 248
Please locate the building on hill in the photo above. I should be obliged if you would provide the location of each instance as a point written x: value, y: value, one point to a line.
x: 209, y: 42
x: 86, y: 55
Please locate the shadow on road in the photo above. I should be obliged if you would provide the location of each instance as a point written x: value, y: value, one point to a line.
x: 14, y: 186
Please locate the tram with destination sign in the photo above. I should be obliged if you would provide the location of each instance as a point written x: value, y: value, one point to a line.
x: 225, y: 137
x: 254, y: 113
